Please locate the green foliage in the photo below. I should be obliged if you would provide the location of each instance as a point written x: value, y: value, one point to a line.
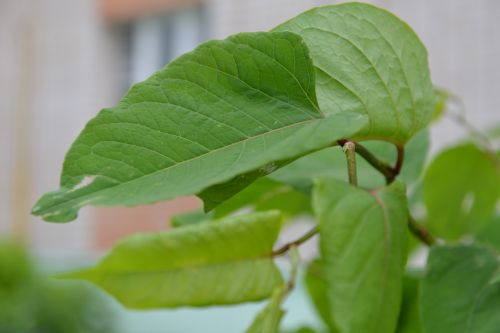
x: 29, y: 302
x: 363, y: 243
x: 461, y: 290
x: 227, y: 108
x: 368, y: 61
x: 222, y: 262
x: 461, y: 189
x: 252, y: 124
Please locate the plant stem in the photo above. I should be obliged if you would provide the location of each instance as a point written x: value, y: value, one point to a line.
x: 304, y: 238
x: 420, y: 232
x: 349, y: 148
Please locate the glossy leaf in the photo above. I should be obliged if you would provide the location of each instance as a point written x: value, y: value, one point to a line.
x: 460, y: 190
x: 363, y: 244
x: 222, y: 262
x: 461, y: 291
x: 368, y: 61
x: 227, y: 108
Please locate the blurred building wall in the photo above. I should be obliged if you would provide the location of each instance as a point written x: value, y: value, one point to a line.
x: 62, y: 61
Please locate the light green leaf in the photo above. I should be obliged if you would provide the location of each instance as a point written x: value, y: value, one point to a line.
x: 332, y: 162
x: 368, y: 61
x: 460, y: 293
x: 224, y: 109
x: 460, y: 190
x: 223, y: 262
x: 363, y: 244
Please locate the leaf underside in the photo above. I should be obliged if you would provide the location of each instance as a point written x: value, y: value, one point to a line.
x: 192, y: 266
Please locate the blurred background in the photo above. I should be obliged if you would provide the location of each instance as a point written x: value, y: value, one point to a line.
x: 62, y: 61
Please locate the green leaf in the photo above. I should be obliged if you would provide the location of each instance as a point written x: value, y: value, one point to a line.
x: 228, y: 107
x: 460, y: 191
x: 409, y: 317
x: 331, y: 162
x: 490, y: 234
x: 368, y: 61
x: 363, y: 244
x: 317, y: 287
x: 461, y: 291
x: 265, y: 194
x: 223, y: 262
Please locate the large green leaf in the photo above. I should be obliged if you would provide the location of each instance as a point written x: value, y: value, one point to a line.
x: 224, y: 109
x: 363, y: 245
x: 461, y: 189
x: 368, y: 61
x: 461, y: 291
x: 223, y: 262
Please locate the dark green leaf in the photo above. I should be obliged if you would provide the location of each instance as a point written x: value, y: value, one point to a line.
x: 222, y: 262
x: 363, y: 244
x: 461, y: 291
x: 368, y: 61
x: 224, y: 109
x: 460, y: 190
x: 409, y: 317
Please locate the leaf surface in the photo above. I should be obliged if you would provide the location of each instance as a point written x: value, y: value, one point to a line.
x: 363, y: 246
x: 368, y: 61
x: 228, y: 107
x: 461, y: 291
x: 461, y: 189
x: 220, y: 262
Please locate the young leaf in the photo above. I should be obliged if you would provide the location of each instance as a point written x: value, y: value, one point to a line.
x: 228, y: 107
x: 190, y: 218
x: 222, y: 262
x: 363, y: 245
x: 460, y: 189
x: 461, y: 291
x: 368, y: 61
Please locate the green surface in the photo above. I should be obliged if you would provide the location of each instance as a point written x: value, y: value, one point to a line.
x: 222, y: 262
x: 368, y: 61
x: 363, y: 245
x: 461, y: 189
x: 461, y: 291
x: 224, y: 109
